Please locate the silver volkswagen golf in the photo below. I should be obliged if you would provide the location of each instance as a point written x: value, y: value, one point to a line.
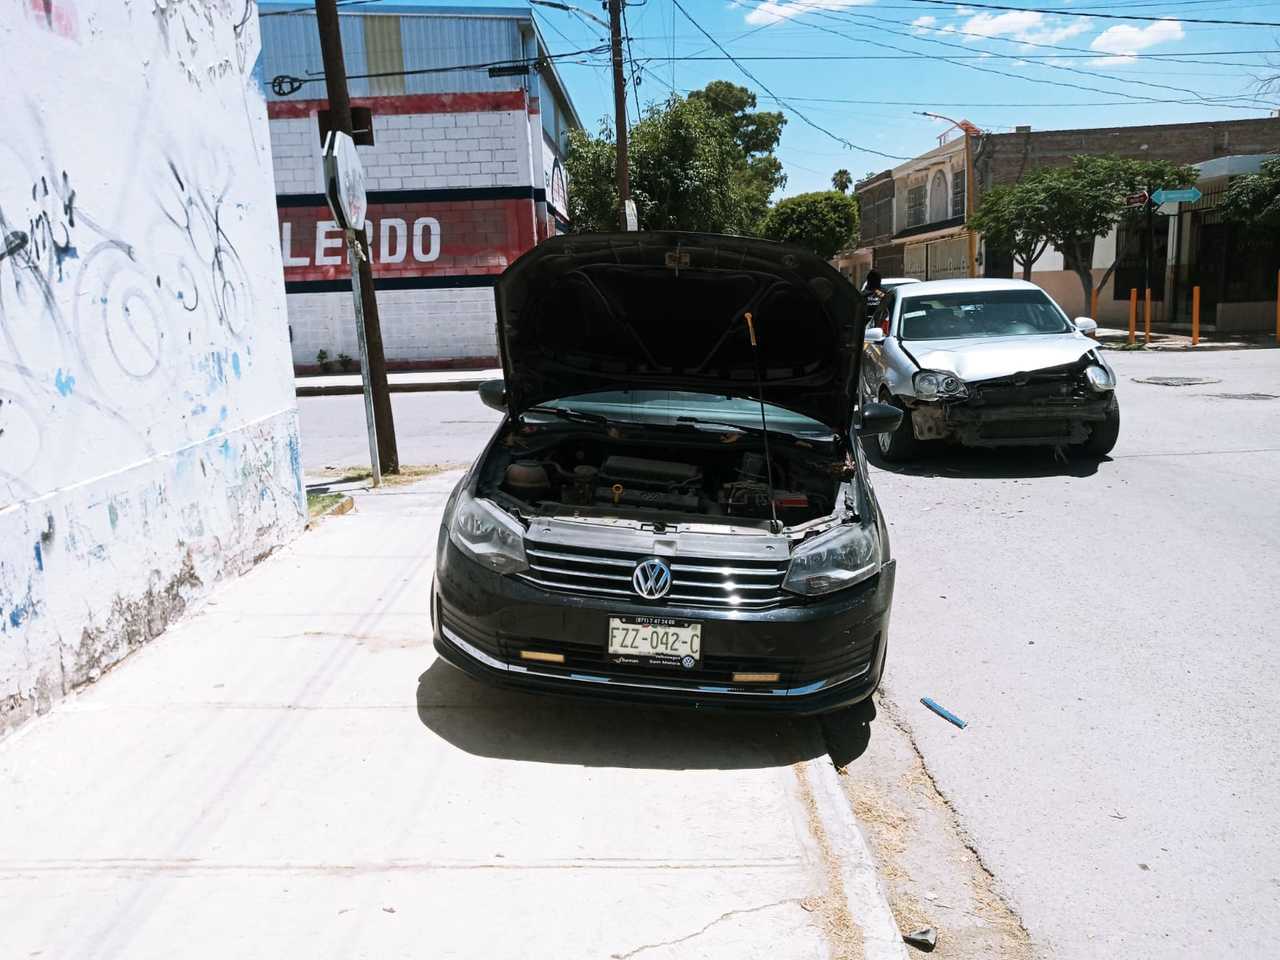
x: 987, y: 363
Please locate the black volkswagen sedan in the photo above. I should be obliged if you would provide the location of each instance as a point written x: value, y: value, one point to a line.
x: 676, y: 507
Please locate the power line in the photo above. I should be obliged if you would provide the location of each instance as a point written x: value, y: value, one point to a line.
x: 285, y: 85
x: 957, y: 59
x: 312, y: 9
x: 856, y: 19
x: 761, y: 85
x: 635, y: 85
x: 1100, y: 16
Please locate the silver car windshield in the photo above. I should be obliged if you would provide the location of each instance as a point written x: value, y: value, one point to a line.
x: 985, y: 313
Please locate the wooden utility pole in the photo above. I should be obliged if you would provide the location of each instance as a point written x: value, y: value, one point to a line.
x: 619, y: 110
x: 335, y: 81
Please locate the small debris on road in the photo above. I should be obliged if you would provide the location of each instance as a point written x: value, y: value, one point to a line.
x: 388, y: 909
x: 926, y: 938
x: 1177, y: 381
x: 943, y: 712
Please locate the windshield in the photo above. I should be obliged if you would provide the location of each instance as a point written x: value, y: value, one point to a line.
x: 979, y: 313
x: 682, y: 408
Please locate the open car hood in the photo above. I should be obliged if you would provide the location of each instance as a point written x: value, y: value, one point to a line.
x: 668, y: 311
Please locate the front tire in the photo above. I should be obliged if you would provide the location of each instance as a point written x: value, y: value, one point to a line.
x: 901, y: 444
x: 1104, y: 435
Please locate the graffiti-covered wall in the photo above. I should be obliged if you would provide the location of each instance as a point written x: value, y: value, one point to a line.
x: 148, y: 431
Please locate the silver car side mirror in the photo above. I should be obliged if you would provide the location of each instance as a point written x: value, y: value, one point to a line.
x: 1086, y: 325
x: 873, y: 335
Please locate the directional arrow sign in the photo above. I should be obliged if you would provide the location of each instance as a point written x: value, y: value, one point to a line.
x: 1137, y: 199
x: 1189, y: 195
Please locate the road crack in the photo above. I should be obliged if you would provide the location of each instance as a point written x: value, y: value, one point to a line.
x: 697, y: 933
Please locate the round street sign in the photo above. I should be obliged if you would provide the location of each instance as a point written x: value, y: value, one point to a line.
x: 344, y: 181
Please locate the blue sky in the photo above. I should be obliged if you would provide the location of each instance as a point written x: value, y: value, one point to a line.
x: 1095, y: 81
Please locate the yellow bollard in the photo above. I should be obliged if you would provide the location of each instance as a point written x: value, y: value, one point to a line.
x: 1133, y: 314
x: 1195, y: 315
x: 1146, y: 318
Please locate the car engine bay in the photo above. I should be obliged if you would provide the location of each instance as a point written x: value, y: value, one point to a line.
x: 582, y: 474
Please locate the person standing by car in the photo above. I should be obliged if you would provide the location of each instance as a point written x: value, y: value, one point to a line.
x: 871, y: 286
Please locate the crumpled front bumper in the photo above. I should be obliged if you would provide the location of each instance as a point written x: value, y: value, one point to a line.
x: 1010, y: 424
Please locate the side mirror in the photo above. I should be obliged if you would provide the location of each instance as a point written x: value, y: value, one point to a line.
x: 1087, y: 325
x: 873, y: 335
x: 493, y: 393
x: 878, y: 418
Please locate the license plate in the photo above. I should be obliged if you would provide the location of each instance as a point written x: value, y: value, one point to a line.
x: 655, y: 640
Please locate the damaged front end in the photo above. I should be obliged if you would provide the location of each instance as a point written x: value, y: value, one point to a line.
x: 1053, y: 406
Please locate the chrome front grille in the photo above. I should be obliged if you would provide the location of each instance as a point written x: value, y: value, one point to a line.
x: 695, y: 581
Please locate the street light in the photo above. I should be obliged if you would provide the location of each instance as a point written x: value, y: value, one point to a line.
x: 969, y: 130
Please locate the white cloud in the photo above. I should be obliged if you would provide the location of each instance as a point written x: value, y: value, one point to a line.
x: 922, y: 24
x: 773, y: 11
x: 1124, y: 41
x: 1021, y: 26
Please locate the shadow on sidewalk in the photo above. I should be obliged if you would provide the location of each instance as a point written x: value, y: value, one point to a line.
x: 493, y: 722
x: 1000, y: 463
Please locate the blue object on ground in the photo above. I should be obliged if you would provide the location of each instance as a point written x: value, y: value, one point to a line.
x: 943, y: 712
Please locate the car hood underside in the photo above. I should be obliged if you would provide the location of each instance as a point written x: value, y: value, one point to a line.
x: 680, y: 311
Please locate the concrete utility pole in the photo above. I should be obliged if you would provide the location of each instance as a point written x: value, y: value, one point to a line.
x: 335, y: 80
x: 619, y: 110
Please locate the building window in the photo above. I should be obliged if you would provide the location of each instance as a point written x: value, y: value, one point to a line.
x: 957, y: 194
x: 938, y: 198
x: 916, y: 202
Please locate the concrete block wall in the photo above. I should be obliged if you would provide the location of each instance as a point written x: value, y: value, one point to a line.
x: 450, y: 324
x: 459, y: 171
x: 1004, y: 157
x: 148, y: 430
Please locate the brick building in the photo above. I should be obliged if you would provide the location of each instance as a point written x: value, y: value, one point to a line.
x: 903, y: 242
x: 465, y: 173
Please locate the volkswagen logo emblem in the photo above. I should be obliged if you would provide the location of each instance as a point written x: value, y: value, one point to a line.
x: 651, y: 579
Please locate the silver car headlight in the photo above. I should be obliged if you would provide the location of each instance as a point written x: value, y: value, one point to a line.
x: 487, y: 535
x: 935, y: 384
x: 1099, y: 378
x: 834, y: 560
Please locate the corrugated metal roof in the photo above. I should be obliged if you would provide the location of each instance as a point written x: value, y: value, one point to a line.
x: 429, y: 38
x: 438, y: 41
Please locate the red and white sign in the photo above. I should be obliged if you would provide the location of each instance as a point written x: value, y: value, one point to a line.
x: 416, y: 239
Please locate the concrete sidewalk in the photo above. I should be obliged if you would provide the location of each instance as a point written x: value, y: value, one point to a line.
x: 291, y: 772
x: 415, y: 381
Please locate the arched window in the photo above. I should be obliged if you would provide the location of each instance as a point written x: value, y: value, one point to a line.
x: 939, y: 198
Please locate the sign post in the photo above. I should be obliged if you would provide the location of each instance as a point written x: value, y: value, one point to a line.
x: 345, y: 191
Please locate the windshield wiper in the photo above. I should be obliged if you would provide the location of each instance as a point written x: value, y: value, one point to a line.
x: 740, y: 427
x: 578, y: 416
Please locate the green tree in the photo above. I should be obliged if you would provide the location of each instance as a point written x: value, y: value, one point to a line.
x: 1254, y: 200
x: 757, y: 132
x: 1071, y: 206
x: 1009, y: 222
x: 841, y: 180
x: 825, y: 222
x: 683, y: 165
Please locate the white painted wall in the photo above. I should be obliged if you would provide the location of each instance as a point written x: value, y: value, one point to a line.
x: 149, y: 441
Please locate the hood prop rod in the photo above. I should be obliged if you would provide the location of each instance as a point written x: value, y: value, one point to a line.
x: 764, y: 426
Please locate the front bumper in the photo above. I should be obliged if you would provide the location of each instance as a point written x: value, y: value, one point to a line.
x: 828, y: 654
x: 1009, y: 424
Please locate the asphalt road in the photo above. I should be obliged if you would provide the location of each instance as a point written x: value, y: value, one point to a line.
x: 1110, y: 634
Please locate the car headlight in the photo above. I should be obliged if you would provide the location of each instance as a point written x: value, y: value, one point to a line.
x: 934, y: 384
x: 487, y: 535
x: 1099, y: 378
x: 834, y: 560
